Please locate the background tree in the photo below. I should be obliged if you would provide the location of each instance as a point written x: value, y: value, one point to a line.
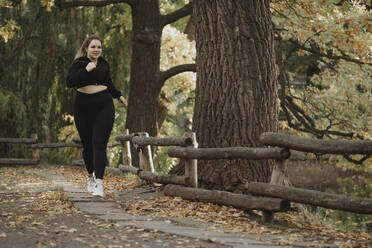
x: 236, y: 92
x: 328, y: 44
x: 145, y: 113
x: 33, y: 93
x: 76, y: 23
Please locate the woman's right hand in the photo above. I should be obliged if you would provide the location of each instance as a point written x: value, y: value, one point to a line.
x: 91, y: 66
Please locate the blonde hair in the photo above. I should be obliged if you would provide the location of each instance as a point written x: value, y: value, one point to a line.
x: 83, y: 49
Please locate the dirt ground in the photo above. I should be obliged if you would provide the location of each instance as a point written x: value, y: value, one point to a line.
x: 34, y: 213
x: 24, y: 225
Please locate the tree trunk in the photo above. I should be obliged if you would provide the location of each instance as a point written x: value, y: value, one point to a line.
x: 236, y: 91
x: 145, y: 65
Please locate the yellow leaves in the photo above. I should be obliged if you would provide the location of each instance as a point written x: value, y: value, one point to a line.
x: 319, y: 22
x: 48, y: 4
x: 318, y: 27
x: 176, y: 49
x: 300, y: 53
x: 54, y: 202
x: 7, y: 30
x: 5, y: 4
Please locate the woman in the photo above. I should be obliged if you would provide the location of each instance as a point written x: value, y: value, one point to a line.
x: 94, y: 110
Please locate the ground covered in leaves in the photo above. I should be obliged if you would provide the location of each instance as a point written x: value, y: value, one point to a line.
x: 45, y: 217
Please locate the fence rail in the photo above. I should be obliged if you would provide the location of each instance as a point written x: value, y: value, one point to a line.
x: 18, y: 140
x: 313, y: 197
x: 229, y: 153
x: 18, y: 161
x: 345, y: 147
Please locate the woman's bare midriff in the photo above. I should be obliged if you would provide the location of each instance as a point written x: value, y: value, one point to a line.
x: 91, y: 89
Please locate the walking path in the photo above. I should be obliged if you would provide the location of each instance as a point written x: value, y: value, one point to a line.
x: 109, y: 210
x: 107, y: 223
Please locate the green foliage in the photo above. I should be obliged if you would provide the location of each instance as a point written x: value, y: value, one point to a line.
x: 331, y: 45
x: 34, y: 97
x: 168, y: 6
x: 358, y: 186
x: 178, y: 92
x: 7, y: 26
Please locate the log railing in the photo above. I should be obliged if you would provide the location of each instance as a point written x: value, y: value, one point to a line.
x: 344, y: 147
x: 270, y: 197
x: 275, y: 188
x: 146, y: 171
x: 19, y: 161
x: 312, y: 197
x: 36, y: 147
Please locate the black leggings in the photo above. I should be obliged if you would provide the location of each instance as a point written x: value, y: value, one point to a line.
x: 94, y: 118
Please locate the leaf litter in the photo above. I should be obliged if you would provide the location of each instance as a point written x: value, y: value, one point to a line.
x: 288, y: 228
x: 35, y: 214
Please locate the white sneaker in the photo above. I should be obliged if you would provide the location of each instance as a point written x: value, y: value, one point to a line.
x: 98, y: 189
x: 91, y: 184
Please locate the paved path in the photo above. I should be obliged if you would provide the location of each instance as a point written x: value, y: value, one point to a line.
x: 109, y: 210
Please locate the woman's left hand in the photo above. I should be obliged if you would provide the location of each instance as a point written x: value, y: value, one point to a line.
x: 123, y: 101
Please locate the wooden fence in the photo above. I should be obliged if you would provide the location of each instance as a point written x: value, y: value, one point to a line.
x: 36, y: 147
x: 268, y: 197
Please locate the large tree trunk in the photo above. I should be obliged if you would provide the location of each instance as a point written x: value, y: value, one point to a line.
x: 143, y: 104
x: 236, y: 91
x: 145, y: 65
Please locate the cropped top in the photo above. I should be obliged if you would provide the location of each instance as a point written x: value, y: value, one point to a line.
x: 78, y: 76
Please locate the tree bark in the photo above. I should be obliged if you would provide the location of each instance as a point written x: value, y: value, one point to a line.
x: 316, y: 198
x: 145, y: 113
x: 248, y: 202
x: 236, y: 91
x: 145, y: 65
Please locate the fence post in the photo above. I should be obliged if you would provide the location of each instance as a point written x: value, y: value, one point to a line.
x: 277, y: 178
x: 145, y: 156
x: 191, y: 165
x: 79, y: 153
x: 108, y: 164
x: 126, y: 154
x: 35, y: 151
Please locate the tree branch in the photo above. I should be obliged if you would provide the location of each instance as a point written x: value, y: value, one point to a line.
x: 304, y: 119
x: 176, y: 15
x: 23, y: 41
x: 164, y: 75
x: 294, y: 112
x: 330, y: 56
x: 355, y: 161
x: 62, y: 4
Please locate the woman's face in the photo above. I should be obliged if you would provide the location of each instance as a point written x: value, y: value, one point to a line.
x: 94, y: 50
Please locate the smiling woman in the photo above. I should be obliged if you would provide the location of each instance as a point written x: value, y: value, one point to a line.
x: 94, y: 50
x: 93, y: 109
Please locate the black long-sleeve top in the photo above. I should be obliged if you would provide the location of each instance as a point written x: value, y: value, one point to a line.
x: 78, y: 76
